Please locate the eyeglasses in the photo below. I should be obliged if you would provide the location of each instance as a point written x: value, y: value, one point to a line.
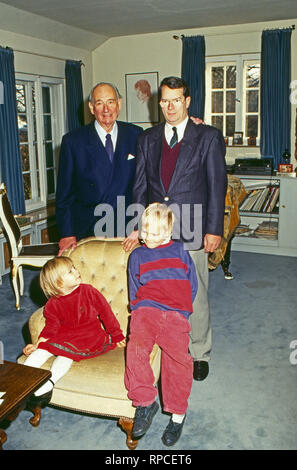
x: 175, y: 102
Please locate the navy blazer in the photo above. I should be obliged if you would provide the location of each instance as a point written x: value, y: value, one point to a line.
x: 199, y: 177
x: 86, y: 177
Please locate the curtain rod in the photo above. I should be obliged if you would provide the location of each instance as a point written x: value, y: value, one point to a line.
x: 176, y: 37
x: 41, y: 55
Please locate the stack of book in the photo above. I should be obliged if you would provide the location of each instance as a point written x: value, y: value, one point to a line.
x: 267, y: 229
x: 263, y: 199
x: 243, y: 230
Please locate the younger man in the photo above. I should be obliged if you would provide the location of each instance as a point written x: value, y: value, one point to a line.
x: 163, y: 285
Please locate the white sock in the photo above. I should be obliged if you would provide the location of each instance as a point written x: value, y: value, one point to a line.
x: 177, y: 418
x: 60, y: 367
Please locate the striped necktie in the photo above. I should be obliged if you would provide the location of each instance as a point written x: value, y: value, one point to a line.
x: 174, y: 138
x: 109, y: 147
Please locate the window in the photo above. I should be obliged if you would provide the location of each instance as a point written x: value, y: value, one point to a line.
x: 233, y: 95
x: 40, y: 107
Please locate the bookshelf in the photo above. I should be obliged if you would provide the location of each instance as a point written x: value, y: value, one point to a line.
x: 268, y: 216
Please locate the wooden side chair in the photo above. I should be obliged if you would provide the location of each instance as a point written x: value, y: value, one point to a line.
x: 31, y: 255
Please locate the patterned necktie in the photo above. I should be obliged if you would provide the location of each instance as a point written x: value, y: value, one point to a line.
x: 174, y: 138
x: 109, y: 147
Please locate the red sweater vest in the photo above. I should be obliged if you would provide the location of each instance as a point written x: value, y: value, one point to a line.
x: 169, y: 159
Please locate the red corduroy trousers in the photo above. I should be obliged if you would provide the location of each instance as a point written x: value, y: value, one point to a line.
x: 170, y: 330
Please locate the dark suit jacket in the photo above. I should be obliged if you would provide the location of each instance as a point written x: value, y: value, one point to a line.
x: 199, y: 176
x: 86, y: 177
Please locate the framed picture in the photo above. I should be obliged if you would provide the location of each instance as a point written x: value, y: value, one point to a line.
x: 142, y: 97
x: 285, y: 167
x: 238, y: 138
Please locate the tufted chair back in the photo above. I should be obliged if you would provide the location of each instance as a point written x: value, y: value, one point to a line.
x: 102, y: 262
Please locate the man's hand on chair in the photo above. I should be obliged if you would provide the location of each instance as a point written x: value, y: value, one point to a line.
x: 65, y: 243
x: 131, y: 241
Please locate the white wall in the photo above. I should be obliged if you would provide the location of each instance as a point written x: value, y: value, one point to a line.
x: 159, y: 52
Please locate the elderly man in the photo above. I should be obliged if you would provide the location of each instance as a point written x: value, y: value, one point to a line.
x: 97, y: 164
x: 183, y: 165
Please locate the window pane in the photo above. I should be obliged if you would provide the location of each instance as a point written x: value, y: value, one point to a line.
x: 217, y: 121
x: 50, y: 181
x: 231, y: 76
x: 252, y: 126
x: 21, y: 98
x: 38, y: 184
x: 252, y: 101
x: 49, y: 154
x: 47, y: 120
x: 27, y: 186
x: 24, y: 149
x: 46, y: 99
x: 253, y: 76
x: 217, y: 77
x: 36, y: 155
x: 217, y: 102
x: 33, y: 98
x: 230, y: 125
x: 230, y: 101
x: 23, y: 129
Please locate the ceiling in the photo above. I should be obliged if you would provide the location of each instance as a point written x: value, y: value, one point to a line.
x: 88, y: 23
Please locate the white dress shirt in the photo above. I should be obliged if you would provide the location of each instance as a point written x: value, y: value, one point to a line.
x: 102, y: 134
x: 180, y: 129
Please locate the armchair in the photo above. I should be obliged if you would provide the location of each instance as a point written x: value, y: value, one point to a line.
x: 96, y: 386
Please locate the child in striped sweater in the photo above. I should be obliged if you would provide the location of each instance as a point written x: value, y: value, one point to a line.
x: 162, y: 285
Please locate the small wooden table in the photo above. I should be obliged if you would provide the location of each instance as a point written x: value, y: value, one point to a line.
x: 19, y: 382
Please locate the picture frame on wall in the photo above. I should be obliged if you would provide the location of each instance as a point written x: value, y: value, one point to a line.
x: 142, y: 97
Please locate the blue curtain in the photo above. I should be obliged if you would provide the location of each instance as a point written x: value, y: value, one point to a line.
x: 275, y: 93
x: 193, y: 72
x: 74, y: 94
x: 11, y: 167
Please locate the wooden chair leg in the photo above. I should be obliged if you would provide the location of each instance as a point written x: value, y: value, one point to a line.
x: 127, y: 426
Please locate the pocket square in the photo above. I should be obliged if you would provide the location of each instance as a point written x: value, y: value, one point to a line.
x: 130, y: 156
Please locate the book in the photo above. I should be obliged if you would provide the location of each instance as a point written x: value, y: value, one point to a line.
x: 272, y: 190
x: 250, y: 201
x: 261, y: 200
x: 274, y: 200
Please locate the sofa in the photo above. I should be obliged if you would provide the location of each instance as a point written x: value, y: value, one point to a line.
x: 96, y: 386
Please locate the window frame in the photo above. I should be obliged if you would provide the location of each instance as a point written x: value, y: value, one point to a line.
x: 58, y: 125
x: 240, y: 60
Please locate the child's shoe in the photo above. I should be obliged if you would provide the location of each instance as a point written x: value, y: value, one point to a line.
x: 143, y: 419
x: 172, y: 433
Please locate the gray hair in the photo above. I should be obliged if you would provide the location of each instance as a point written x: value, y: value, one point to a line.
x: 118, y: 95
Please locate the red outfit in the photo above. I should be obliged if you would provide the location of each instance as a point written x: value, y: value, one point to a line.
x: 73, y: 325
x: 170, y: 330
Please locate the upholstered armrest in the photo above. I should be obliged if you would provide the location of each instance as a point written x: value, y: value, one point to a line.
x: 36, y: 324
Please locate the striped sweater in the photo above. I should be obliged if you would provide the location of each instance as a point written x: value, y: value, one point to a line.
x: 162, y: 277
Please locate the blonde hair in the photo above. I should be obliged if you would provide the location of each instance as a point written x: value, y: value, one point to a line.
x: 160, y: 216
x: 51, y: 275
